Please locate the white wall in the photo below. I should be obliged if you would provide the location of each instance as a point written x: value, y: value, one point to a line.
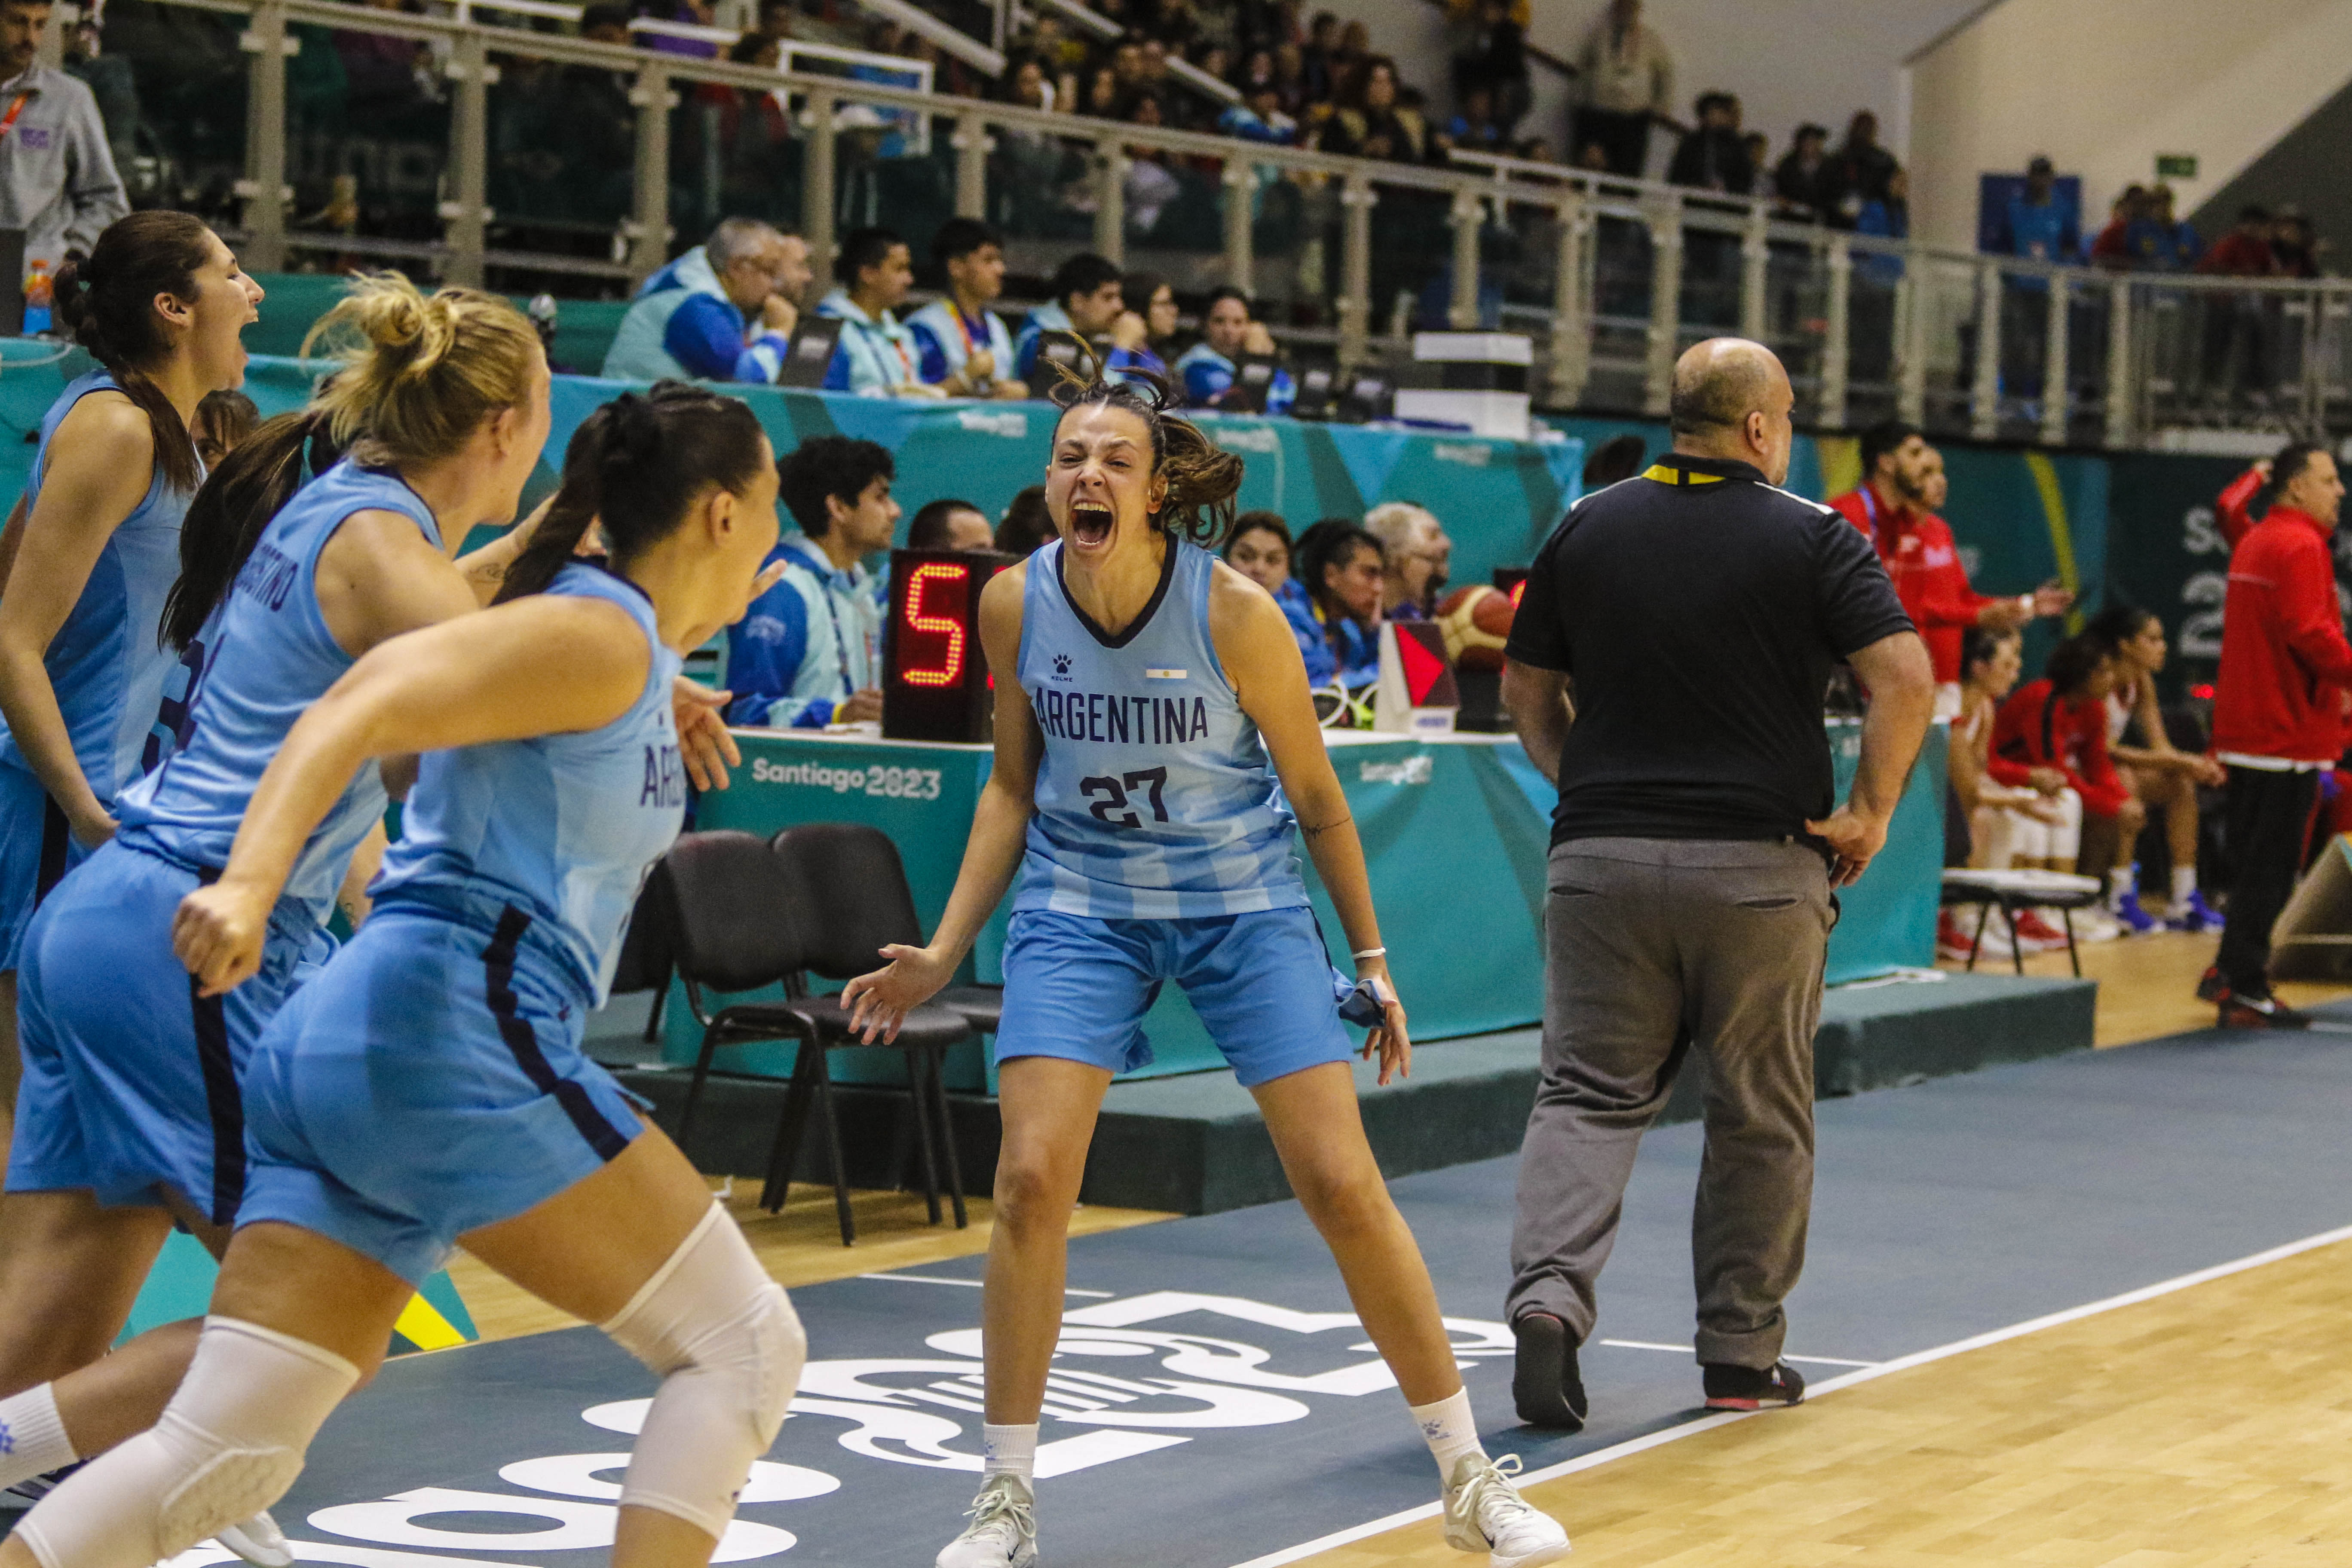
x: 2104, y: 86
x: 1789, y: 60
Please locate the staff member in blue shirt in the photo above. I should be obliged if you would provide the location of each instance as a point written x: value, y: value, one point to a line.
x: 690, y: 318
x: 963, y: 347
x: 876, y: 356
x: 1208, y: 367
x: 1088, y: 301
x: 808, y: 652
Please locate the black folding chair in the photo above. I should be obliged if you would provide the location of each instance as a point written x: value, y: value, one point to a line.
x: 647, y: 961
x: 851, y: 889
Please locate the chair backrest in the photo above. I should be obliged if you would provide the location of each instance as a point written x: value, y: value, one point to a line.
x: 851, y: 890
x: 731, y: 911
x: 646, y: 958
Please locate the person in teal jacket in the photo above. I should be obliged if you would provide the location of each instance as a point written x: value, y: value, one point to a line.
x: 692, y: 318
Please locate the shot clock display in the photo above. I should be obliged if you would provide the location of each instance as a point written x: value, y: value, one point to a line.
x: 935, y: 684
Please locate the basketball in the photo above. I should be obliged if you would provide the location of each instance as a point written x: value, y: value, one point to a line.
x: 1476, y: 621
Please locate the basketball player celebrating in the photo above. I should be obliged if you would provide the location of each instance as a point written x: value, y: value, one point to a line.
x: 428, y: 1084
x: 1152, y: 720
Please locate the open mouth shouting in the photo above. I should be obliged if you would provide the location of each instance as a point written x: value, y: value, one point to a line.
x: 1090, y: 524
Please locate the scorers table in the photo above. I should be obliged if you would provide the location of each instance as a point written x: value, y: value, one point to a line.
x: 1455, y: 829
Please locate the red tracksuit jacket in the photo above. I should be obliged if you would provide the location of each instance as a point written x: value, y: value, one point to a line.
x: 1918, y: 551
x: 2038, y: 729
x: 2285, y: 662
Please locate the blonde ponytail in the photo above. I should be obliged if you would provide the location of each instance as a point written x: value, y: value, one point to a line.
x: 418, y: 374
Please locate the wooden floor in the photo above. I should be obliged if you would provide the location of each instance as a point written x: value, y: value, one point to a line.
x: 2210, y: 1427
x: 801, y: 1246
x: 2147, y: 984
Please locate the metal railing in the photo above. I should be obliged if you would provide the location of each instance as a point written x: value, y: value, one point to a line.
x: 1613, y: 277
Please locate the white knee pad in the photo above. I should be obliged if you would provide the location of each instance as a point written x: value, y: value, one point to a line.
x: 230, y: 1444
x: 728, y: 1348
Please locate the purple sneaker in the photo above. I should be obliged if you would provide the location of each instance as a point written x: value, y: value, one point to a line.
x: 2196, y: 914
x: 2137, y: 921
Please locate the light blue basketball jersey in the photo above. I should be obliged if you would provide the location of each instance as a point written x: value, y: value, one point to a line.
x: 563, y: 826
x: 265, y: 654
x: 104, y: 663
x: 1155, y: 796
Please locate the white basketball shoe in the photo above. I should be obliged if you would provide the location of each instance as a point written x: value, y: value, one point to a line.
x: 1003, y: 1529
x: 259, y: 1541
x: 1484, y: 1513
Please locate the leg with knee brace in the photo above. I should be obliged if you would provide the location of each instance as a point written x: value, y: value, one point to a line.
x: 227, y: 1447
x: 728, y: 1349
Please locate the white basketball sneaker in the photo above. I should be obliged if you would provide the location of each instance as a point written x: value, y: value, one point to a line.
x: 259, y: 1541
x: 1003, y: 1529
x: 1484, y: 1513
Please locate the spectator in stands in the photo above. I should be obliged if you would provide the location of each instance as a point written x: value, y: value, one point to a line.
x: 1414, y: 554
x: 1026, y: 524
x: 2245, y: 250
x: 1614, y: 460
x: 2117, y: 249
x: 1340, y: 564
x: 876, y: 356
x: 1153, y: 298
x: 1370, y: 121
x: 951, y: 525
x: 1206, y: 371
x: 807, y: 652
x: 2294, y: 246
x: 2037, y: 227
x: 2278, y: 717
x: 961, y: 346
x: 58, y: 179
x: 223, y: 419
x: 1259, y: 116
x: 2236, y: 328
x: 1087, y: 303
x: 1259, y: 549
x: 1712, y: 157
x: 1893, y: 509
x: 2178, y: 244
x: 1319, y: 58
x: 1887, y: 215
x: 1627, y: 81
x: 2061, y: 721
x: 690, y: 317
x: 2014, y: 815
x: 1864, y: 167
x: 2163, y: 778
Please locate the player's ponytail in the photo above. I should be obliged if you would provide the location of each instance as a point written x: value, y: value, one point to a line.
x: 635, y: 467
x: 1203, y: 478
x: 420, y: 372
x: 107, y: 300
x: 225, y: 522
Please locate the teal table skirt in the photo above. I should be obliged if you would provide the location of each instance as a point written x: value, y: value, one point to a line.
x: 1455, y: 831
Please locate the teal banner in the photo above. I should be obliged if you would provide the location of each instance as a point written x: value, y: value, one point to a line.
x: 2168, y: 556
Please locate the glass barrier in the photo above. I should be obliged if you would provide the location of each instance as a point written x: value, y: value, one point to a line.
x: 562, y: 161
x: 367, y: 137
x: 170, y: 85
x: 733, y: 152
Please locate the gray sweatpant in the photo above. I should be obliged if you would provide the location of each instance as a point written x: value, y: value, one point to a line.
x: 1656, y: 947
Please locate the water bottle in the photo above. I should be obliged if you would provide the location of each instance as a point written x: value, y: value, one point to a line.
x: 38, y: 294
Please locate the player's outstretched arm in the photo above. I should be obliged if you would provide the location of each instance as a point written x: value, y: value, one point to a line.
x: 1261, y: 656
x: 539, y: 666
x: 878, y: 1001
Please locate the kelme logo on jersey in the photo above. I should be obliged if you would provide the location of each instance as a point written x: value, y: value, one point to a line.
x: 1108, y: 718
x: 665, y: 784
x: 1062, y: 665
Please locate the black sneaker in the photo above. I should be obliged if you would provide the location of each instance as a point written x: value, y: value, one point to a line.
x: 2210, y: 987
x: 1750, y: 1388
x: 1545, y: 1383
x: 2239, y: 1011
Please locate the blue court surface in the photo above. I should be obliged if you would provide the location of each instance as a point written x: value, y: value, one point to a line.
x: 1216, y: 1403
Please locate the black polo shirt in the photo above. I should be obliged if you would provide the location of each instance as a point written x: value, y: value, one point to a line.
x: 1699, y: 612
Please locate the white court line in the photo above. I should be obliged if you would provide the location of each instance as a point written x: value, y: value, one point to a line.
x: 974, y: 1284
x: 1693, y: 1350
x: 1901, y: 1364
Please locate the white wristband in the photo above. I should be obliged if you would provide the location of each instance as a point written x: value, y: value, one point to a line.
x: 1370, y: 952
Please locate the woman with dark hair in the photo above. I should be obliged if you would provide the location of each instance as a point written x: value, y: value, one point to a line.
x: 1157, y: 761
x: 2010, y: 815
x: 1026, y: 524
x: 2163, y: 777
x: 427, y: 1085
x: 1372, y: 122
x: 2061, y: 721
x: 1341, y: 565
x: 131, y: 1106
x: 1259, y: 549
x: 1154, y: 298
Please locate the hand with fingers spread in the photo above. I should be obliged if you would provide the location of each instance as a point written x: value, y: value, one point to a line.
x: 703, y: 742
x: 878, y: 1003
x: 218, y: 934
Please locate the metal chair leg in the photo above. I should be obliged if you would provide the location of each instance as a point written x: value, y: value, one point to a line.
x: 938, y: 1059
x: 654, y: 1015
x: 791, y: 1127
x: 1984, y: 918
x: 832, y: 1146
x: 2016, y: 952
x: 2073, y: 954
x: 919, y: 1099
x: 694, y: 1092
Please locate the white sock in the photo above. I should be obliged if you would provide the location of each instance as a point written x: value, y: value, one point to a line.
x: 2121, y: 886
x: 1009, y: 1451
x: 1450, y: 1429
x: 2184, y: 885
x: 33, y: 1439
